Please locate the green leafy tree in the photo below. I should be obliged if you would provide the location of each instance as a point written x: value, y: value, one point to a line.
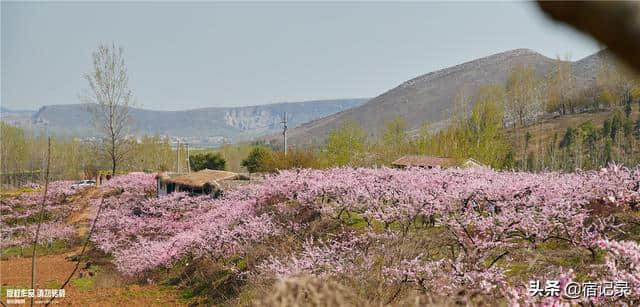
x: 255, y: 161
x: 423, y: 140
x: 627, y: 127
x: 485, y: 137
x: 616, y: 125
x: 606, y: 128
x: 395, y: 133
x: 531, y: 161
x: 14, y: 148
x: 509, y: 161
x: 608, y: 152
x: 569, y: 138
x: 346, y: 146
x: 207, y: 161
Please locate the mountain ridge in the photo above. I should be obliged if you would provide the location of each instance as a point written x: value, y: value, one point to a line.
x: 215, y: 124
x: 428, y: 97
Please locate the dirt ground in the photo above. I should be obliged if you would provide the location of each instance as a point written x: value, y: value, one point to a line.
x: 52, y: 270
x: 89, y: 287
x: 49, y: 269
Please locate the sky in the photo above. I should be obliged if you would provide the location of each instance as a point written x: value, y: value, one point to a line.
x: 204, y: 54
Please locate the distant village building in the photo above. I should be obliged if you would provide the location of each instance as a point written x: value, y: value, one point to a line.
x: 206, y: 182
x: 422, y: 161
x: 472, y: 163
x: 431, y: 162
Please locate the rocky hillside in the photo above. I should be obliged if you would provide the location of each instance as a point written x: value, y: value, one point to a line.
x: 429, y: 97
x: 232, y: 124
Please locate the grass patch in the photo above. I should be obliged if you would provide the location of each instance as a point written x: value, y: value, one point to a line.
x: 57, y: 247
x: 52, y: 284
x: 84, y: 283
x: 193, y: 292
x: 357, y: 222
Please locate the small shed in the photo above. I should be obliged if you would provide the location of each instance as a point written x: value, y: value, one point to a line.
x: 206, y: 181
x: 422, y: 161
x: 472, y: 163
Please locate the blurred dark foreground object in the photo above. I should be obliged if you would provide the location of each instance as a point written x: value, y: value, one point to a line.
x: 614, y: 23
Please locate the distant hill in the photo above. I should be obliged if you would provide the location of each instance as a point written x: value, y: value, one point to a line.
x: 19, y: 118
x: 231, y: 124
x: 429, y: 97
x: 7, y: 111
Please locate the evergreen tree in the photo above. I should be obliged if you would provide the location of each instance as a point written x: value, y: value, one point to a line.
x: 627, y: 127
x: 568, y: 139
x: 616, y: 125
x: 509, y: 160
x: 606, y: 128
x: 608, y: 156
x: 531, y: 162
x: 209, y: 160
x: 255, y: 161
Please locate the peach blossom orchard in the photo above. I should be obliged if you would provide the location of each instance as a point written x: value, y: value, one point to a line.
x: 485, y: 220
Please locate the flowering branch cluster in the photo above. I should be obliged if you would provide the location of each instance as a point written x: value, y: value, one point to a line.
x: 19, y: 213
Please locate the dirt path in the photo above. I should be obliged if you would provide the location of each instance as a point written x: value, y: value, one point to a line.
x: 80, y: 217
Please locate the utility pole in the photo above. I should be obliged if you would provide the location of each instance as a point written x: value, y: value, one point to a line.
x: 178, y: 157
x: 284, y: 131
x: 188, y: 162
x: 46, y: 134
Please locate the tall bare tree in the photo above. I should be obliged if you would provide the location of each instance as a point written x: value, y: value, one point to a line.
x: 523, y: 94
x: 561, y: 87
x: 616, y: 80
x: 110, y: 100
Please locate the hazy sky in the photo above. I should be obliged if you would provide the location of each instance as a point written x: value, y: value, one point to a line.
x: 189, y: 55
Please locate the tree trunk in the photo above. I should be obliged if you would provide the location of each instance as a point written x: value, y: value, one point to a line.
x: 113, y: 155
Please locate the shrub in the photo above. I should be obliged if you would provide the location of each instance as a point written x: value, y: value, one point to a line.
x: 255, y: 161
x: 296, y: 158
x: 207, y: 160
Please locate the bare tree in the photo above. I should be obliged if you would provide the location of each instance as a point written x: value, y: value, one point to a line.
x: 561, y: 87
x: 616, y: 80
x: 523, y: 94
x: 462, y: 104
x: 110, y: 100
